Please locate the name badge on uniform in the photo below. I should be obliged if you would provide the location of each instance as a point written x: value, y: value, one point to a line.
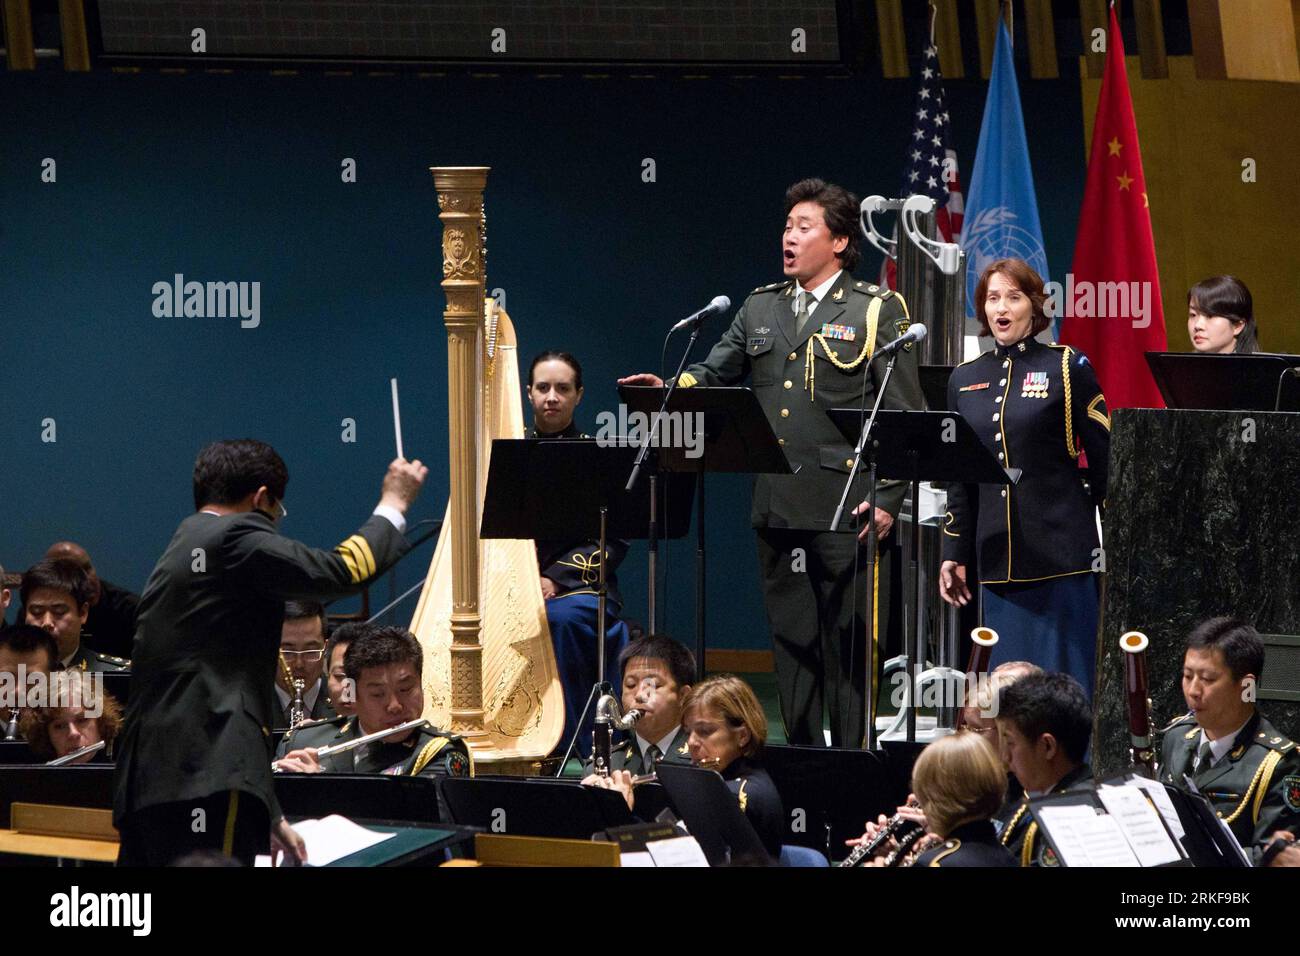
x: 844, y: 333
x: 973, y: 388
x: 1035, y: 385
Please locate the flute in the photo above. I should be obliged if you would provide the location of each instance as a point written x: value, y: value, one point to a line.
x: 367, y: 738
x: 68, y: 758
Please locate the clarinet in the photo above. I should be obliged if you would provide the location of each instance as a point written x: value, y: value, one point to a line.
x: 896, y: 824
x: 905, y: 843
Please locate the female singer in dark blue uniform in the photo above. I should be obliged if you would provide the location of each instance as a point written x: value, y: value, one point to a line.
x: 1034, y: 544
x: 571, y: 568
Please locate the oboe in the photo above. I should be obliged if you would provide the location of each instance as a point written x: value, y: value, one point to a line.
x: 896, y: 825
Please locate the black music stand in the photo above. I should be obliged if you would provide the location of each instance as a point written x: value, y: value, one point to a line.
x: 528, y: 476
x: 737, y: 438
x: 838, y: 788
x: 700, y: 798
x: 918, y: 446
x: 540, y: 807
x: 1258, y: 381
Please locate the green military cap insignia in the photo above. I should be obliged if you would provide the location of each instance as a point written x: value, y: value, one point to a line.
x: 1237, y: 751
x: 1291, y: 792
x: 838, y: 295
x: 685, y: 748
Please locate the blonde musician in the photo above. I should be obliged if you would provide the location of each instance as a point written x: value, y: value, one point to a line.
x: 571, y: 568
x: 959, y: 784
x: 81, y: 714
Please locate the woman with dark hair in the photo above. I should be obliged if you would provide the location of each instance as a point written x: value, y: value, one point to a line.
x: 571, y: 567
x: 1034, y: 543
x: 1221, y: 316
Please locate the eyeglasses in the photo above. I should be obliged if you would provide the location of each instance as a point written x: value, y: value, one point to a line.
x: 308, y: 657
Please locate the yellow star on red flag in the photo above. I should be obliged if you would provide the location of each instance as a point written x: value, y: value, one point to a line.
x: 1125, y: 180
x: 1115, y: 146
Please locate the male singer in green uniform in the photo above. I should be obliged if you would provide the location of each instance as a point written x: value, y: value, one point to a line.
x: 806, y: 345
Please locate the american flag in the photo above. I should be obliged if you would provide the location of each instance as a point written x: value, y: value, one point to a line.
x: 931, y: 160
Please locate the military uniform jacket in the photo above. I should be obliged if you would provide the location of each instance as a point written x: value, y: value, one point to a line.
x: 971, y: 844
x: 574, y: 566
x: 799, y: 378
x: 1035, y: 407
x: 628, y: 756
x: 1019, y: 834
x: 760, y: 802
x: 110, y: 626
x: 1255, y: 788
x: 87, y: 659
x: 206, y: 652
x: 428, y: 751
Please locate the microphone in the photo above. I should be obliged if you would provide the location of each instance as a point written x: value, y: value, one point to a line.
x: 718, y: 306
x: 914, y: 333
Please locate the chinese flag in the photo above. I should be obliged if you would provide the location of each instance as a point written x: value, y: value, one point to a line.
x: 1112, y: 309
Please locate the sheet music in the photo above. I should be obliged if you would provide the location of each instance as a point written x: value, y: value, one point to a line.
x: 1084, y: 837
x: 1160, y: 797
x: 334, y: 837
x: 636, y: 858
x: 1140, y: 824
x: 677, y: 851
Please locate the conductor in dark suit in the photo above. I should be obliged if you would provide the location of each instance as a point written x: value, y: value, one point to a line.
x: 194, y: 758
x: 806, y: 345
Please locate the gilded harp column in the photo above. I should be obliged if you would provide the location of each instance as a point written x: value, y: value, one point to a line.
x: 460, y: 207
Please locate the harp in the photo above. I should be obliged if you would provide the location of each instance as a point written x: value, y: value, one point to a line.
x: 489, y: 671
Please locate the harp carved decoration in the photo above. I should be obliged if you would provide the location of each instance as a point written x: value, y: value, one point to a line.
x: 490, y: 670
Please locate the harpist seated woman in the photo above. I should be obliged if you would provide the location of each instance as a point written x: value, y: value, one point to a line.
x: 571, y: 569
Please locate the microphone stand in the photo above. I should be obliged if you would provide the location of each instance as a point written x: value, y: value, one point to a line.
x: 635, y: 476
x: 869, y: 688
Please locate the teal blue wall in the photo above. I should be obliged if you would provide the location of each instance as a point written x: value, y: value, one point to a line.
x: 238, y: 178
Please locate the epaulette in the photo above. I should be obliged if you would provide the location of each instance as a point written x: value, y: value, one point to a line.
x: 773, y: 287
x: 1274, y: 742
x: 870, y: 288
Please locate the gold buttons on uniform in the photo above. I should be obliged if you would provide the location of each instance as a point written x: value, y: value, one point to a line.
x: 998, y: 400
x: 1001, y: 383
x: 995, y: 418
x: 785, y: 413
x: 848, y: 463
x: 781, y: 441
x: 1004, y: 492
x: 789, y: 384
x: 793, y: 356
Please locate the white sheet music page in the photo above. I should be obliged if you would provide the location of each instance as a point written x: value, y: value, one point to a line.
x: 1140, y: 824
x: 677, y: 851
x: 334, y: 837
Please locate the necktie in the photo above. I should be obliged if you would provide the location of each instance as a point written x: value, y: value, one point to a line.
x: 652, y: 755
x: 1203, y: 754
x: 806, y: 301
